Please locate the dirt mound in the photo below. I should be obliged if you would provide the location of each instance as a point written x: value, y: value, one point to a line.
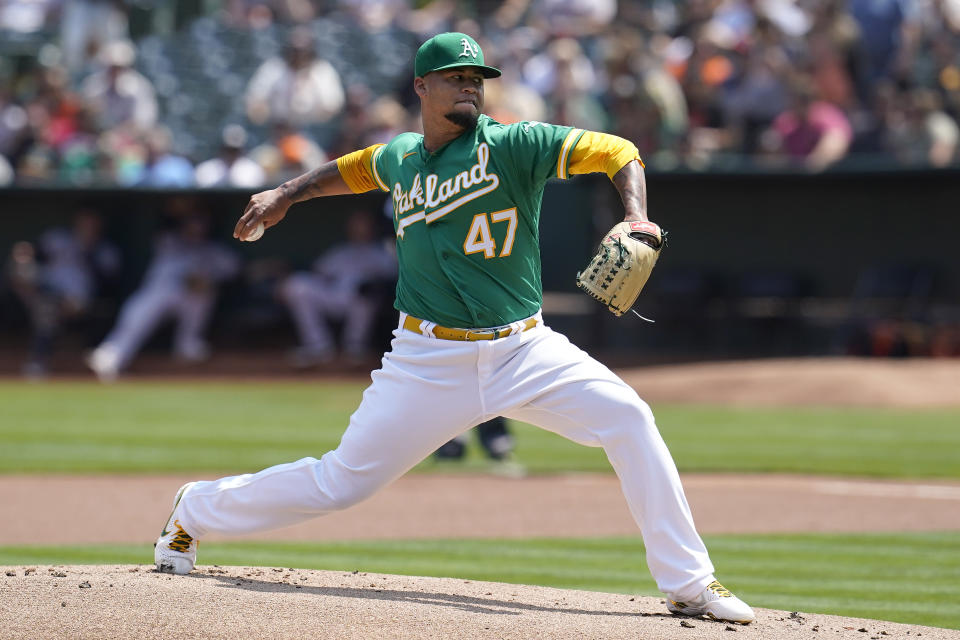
x: 420, y: 506
x: 233, y: 602
x: 913, y: 383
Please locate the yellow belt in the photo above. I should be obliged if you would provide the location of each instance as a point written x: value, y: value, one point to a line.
x: 446, y: 333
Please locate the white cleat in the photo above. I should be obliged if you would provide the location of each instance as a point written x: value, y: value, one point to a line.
x: 105, y: 363
x: 714, y: 602
x: 175, y: 550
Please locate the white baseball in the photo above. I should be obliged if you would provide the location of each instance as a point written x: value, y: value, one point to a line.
x: 256, y: 234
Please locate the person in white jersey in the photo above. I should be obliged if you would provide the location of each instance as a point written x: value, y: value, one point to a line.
x: 335, y: 289
x: 181, y: 282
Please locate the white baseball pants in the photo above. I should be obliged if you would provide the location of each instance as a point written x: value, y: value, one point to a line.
x: 147, y: 307
x: 311, y: 301
x: 429, y: 391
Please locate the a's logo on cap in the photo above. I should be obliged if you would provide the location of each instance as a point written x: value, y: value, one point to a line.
x: 468, y: 49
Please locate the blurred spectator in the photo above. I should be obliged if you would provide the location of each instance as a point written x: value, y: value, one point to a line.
x: 693, y: 83
x: 812, y: 133
x: 339, y: 287
x: 59, y: 279
x: 704, y: 72
x: 567, y: 78
x: 645, y: 99
x: 87, y: 27
x: 883, y: 24
x: 373, y: 16
x: 54, y: 113
x: 287, y: 154
x: 232, y: 168
x: 510, y: 99
x: 563, y: 61
x: 14, y: 129
x: 181, y: 281
x: 80, y: 160
x: 163, y: 167
x: 258, y: 14
x: 922, y: 134
x: 732, y: 23
x: 574, y: 18
x: 37, y: 165
x: 835, y: 55
x: 944, y: 68
x: 387, y: 120
x: 298, y: 87
x: 368, y: 120
x: 6, y: 172
x: 871, y: 139
x: 26, y: 16
x: 118, y: 94
x: 354, y: 125
x: 122, y: 156
x: 760, y: 93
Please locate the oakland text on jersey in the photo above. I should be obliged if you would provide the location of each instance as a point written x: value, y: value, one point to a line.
x: 432, y: 193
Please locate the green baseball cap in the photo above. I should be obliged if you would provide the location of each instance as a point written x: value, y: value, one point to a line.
x: 448, y: 50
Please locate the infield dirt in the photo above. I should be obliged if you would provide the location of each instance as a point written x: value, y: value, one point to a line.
x: 79, y: 602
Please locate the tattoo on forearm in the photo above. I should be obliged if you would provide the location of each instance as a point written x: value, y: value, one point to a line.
x: 312, y: 184
x: 631, y: 183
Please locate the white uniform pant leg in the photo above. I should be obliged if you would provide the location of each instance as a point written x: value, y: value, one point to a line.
x: 138, y: 319
x: 566, y: 391
x: 307, y: 300
x: 194, y: 310
x: 424, y: 395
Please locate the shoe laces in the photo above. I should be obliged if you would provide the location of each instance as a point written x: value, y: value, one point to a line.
x: 181, y: 539
x: 719, y: 590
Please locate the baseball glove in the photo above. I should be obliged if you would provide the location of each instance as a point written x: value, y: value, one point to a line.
x: 622, y: 265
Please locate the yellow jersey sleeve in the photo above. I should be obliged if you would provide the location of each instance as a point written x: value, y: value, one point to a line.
x: 357, y: 170
x: 596, y: 152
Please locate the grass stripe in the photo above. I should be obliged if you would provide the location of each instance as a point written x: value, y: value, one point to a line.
x: 906, y: 577
x: 226, y: 428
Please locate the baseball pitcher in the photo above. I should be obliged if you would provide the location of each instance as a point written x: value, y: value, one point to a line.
x: 471, y: 343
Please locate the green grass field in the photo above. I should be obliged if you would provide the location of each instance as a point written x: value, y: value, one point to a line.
x: 143, y: 427
x: 907, y: 578
x: 157, y: 427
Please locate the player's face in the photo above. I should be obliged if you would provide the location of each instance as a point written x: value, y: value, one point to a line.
x: 455, y: 93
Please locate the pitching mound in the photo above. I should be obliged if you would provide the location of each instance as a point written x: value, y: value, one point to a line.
x: 233, y: 602
x: 837, y: 382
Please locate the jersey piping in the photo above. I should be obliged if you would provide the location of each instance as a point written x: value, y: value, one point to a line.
x: 373, y: 169
x: 568, y: 143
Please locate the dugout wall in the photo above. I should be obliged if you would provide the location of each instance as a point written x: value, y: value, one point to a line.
x: 758, y: 264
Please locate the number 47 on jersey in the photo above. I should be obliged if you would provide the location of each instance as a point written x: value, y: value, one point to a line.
x: 480, y: 239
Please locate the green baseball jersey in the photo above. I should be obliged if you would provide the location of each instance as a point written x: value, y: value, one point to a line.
x: 467, y: 219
